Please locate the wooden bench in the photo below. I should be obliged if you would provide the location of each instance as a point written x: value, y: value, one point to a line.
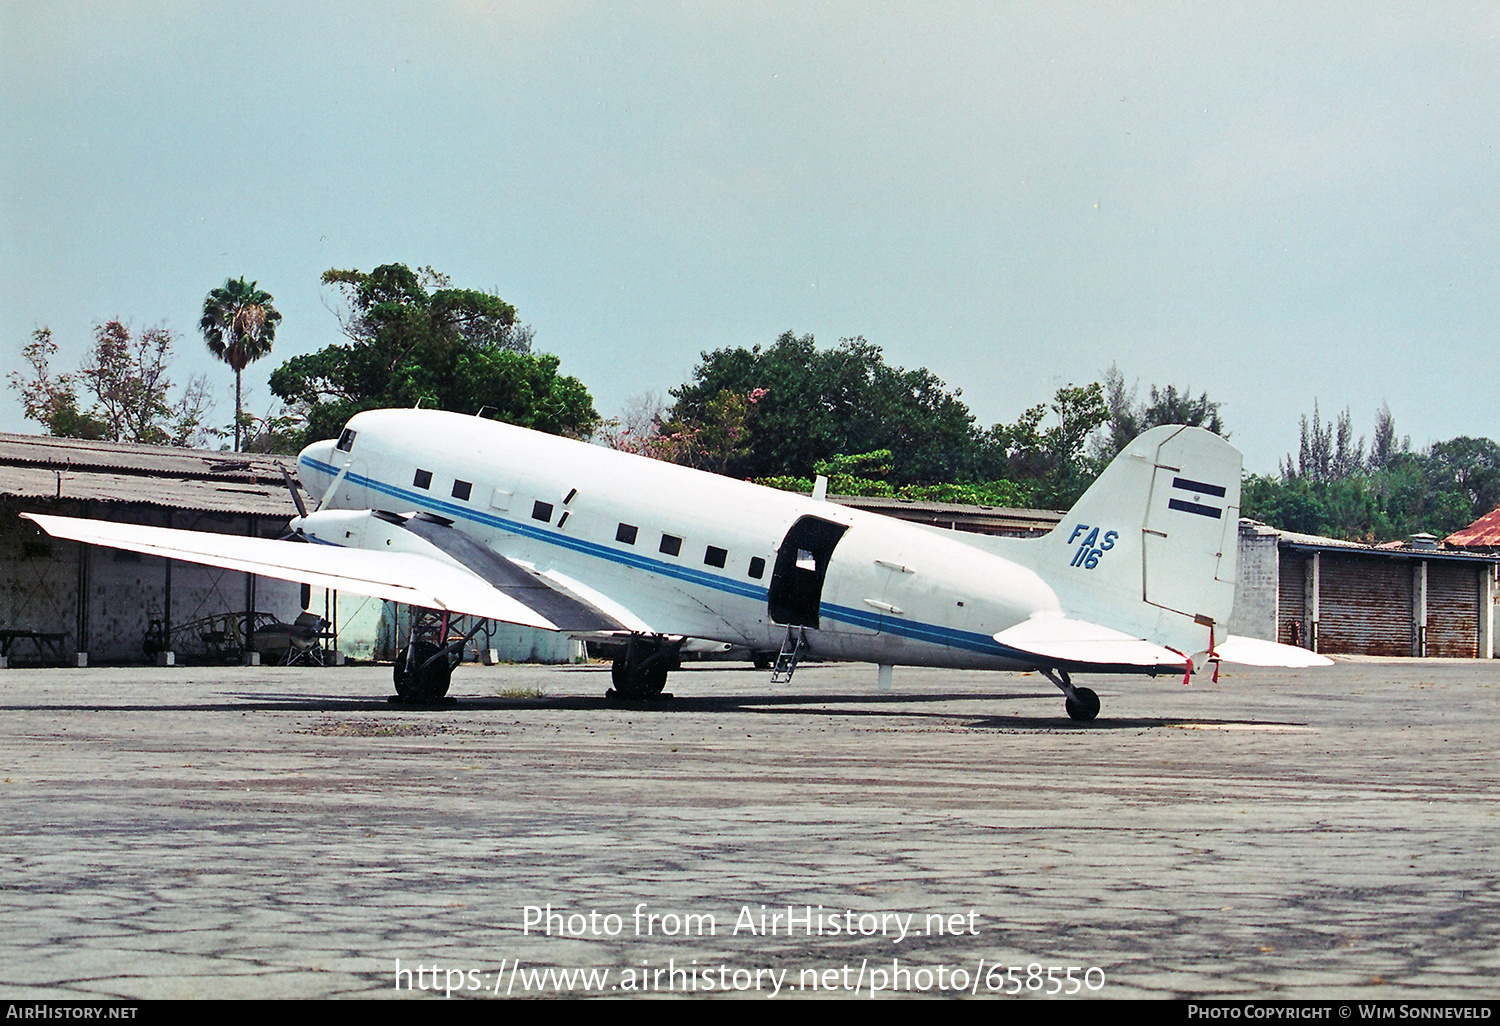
x: 49, y: 646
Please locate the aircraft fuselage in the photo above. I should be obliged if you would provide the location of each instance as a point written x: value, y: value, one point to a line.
x: 684, y: 552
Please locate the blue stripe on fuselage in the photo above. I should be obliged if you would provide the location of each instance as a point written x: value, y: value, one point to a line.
x: 917, y: 631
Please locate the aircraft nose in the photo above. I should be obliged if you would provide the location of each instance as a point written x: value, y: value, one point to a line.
x: 317, y: 457
x: 315, y: 467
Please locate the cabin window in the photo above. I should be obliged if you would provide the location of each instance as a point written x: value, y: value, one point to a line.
x: 625, y: 533
x: 423, y: 479
x: 715, y: 556
x: 346, y: 440
x: 541, y: 511
x: 461, y: 490
x: 671, y: 544
x: 757, y: 567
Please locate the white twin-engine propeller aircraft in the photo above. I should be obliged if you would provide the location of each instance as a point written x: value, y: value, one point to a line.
x: 463, y: 515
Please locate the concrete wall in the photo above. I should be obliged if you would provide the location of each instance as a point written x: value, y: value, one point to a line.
x: 1255, y: 588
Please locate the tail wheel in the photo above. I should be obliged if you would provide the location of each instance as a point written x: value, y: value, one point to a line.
x: 1082, y: 705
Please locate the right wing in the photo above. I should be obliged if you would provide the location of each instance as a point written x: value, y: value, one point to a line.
x: 482, y: 584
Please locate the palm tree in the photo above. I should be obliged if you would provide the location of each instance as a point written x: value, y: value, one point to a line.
x: 239, y: 324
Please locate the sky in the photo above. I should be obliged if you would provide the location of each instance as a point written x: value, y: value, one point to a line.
x: 1279, y: 204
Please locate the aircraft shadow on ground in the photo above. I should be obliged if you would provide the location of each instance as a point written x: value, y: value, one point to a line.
x: 850, y: 706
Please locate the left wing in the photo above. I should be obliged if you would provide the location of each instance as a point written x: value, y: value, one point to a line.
x: 1057, y: 639
x: 486, y: 585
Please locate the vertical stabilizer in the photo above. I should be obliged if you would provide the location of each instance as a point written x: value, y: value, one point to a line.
x: 1151, y: 547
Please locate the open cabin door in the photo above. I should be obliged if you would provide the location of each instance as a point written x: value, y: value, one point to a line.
x: 802, y: 561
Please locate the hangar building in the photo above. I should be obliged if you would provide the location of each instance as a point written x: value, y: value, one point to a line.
x: 1412, y: 598
x: 65, y: 602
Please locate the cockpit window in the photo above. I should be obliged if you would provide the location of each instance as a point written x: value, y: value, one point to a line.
x: 346, y: 440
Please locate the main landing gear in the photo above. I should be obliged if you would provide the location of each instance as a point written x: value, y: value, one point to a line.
x: 423, y: 672
x: 424, y: 668
x: 1082, y: 703
x: 640, y: 671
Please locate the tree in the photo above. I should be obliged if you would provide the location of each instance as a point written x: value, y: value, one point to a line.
x: 1333, y: 488
x: 1128, y: 418
x: 1468, y: 468
x: 817, y: 404
x: 50, y: 399
x: 415, y: 341
x: 239, y: 325
x: 712, y: 443
x: 1050, y: 459
x: 127, y: 376
x: 1327, y: 452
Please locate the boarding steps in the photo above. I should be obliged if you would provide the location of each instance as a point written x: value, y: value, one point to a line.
x: 791, y: 651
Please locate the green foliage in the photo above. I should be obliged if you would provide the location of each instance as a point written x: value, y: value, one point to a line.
x: 450, y: 349
x: 1007, y: 494
x: 712, y: 443
x: 1128, y: 417
x: 279, y: 431
x: 782, y: 414
x: 1051, y: 460
x: 126, y: 375
x: 1334, y: 489
x: 52, y: 400
x: 820, y: 403
x: 239, y: 322
x: 1468, y: 469
x: 239, y: 326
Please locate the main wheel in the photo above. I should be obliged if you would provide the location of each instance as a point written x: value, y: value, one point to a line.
x: 1083, y: 706
x: 654, y: 677
x: 644, y: 680
x: 418, y: 684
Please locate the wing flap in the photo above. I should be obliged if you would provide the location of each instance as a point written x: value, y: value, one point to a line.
x: 399, y: 576
x: 562, y: 602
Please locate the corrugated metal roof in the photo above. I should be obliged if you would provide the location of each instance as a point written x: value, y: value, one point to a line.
x: 38, y: 467
x: 1483, y: 533
x: 978, y: 519
x: 1388, y: 549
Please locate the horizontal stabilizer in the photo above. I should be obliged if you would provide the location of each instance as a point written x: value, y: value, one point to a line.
x: 1255, y: 652
x: 1060, y: 640
x: 398, y: 576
